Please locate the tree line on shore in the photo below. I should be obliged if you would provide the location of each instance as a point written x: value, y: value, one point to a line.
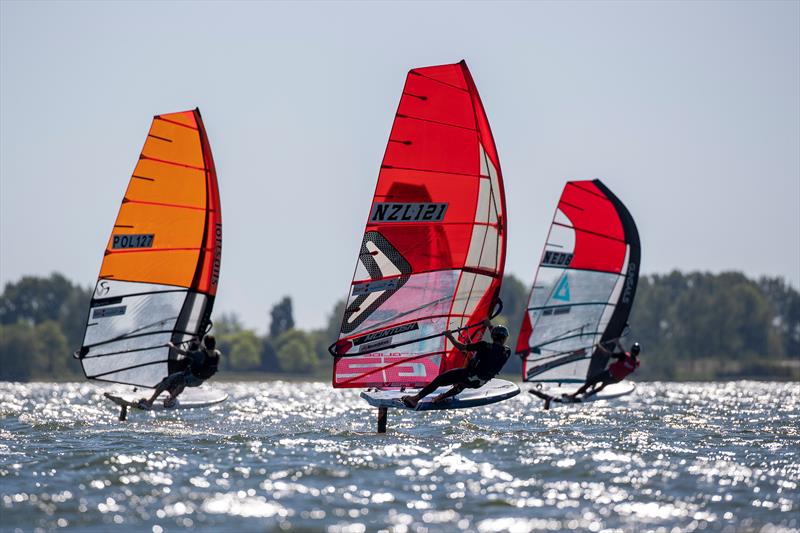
x: 691, y: 325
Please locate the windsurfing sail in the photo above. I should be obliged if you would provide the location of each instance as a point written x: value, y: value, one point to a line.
x: 584, y: 286
x: 161, y: 265
x: 432, y: 256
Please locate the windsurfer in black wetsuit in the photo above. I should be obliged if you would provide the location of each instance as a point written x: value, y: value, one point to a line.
x: 202, y: 363
x: 487, y: 362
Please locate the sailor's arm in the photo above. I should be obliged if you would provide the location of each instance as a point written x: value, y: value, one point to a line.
x: 609, y: 348
x: 458, y: 345
x: 174, y: 347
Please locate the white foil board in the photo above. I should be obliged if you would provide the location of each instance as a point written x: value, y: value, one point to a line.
x: 191, y: 398
x: 610, y: 392
x: 494, y: 391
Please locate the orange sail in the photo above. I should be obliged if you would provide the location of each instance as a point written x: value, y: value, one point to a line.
x: 161, y: 265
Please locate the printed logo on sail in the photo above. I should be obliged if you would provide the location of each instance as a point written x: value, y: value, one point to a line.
x: 102, y: 288
x: 557, y: 259
x: 629, y: 283
x: 562, y: 291
x: 407, y: 212
x: 217, y: 254
x: 105, y: 312
x: 132, y: 241
x: 405, y: 328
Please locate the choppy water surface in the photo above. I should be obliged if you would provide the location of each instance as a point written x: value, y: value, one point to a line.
x: 301, y: 455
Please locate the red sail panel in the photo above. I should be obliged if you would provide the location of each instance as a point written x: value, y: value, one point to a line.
x: 584, y: 285
x: 433, y: 250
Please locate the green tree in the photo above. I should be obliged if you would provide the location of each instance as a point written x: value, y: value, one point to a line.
x: 704, y: 326
x: 269, y: 358
x: 227, y: 323
x: 17, y: 345
x: 50, y: 352
x: 35, y: 300
x: 241, y: 347
x: 786, y: 304
x: 295, y: 352
x: 244, y: 350
x: 281, y: 318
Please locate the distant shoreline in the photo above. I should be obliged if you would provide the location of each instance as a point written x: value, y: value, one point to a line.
x: 253, y: 377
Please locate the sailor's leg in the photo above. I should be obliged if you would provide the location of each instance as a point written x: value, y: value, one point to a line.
x: 589, y: 384
x: 453, y: 377
x: 597, y: 389
x: 582, y: 390
x: 452, y: 392
x: 173, y: 394
x: 161, y: 387
x: 166, y: 383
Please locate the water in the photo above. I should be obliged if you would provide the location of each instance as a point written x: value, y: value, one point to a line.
x: 301, y: 455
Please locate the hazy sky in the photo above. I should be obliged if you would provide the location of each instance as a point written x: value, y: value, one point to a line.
x: 688, y: 111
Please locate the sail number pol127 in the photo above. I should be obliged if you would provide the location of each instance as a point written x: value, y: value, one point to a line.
x: 132, y: 241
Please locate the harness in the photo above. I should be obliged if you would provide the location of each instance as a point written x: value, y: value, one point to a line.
x: 208, y: 367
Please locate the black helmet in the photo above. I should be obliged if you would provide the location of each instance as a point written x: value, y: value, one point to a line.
x: 499, y: 331
x: 636, y: 348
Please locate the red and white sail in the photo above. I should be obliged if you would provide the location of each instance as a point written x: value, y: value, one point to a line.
x: 433, y: 251
x: 584, y: 287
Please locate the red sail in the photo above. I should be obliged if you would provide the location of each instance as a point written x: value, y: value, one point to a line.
x: 433, y: 252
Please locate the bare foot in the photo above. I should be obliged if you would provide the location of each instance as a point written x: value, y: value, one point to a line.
x: 440, y: 398
x: 171, y: 401
x: 410, y: 401
x: 144, y: 404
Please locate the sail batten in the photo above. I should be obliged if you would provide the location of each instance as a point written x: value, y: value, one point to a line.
x: 433, y: 251
x: 160, y: 269
x: 584, y: 286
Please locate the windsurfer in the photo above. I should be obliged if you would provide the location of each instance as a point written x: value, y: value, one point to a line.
x: 485, y: 364
x: 625, y: 364
x: 201, y: 364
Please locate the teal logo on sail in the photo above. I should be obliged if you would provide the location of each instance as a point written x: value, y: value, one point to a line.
x: 562, y: 291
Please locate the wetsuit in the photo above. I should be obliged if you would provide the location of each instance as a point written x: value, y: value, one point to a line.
x: 487, y: 362
x: 625, y: 364
x: 202, y: 365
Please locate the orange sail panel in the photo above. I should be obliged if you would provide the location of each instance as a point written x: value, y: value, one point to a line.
x: 433, y: 251
x: 161, y: 265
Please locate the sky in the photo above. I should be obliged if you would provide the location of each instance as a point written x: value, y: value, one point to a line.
x: 688, y: 111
